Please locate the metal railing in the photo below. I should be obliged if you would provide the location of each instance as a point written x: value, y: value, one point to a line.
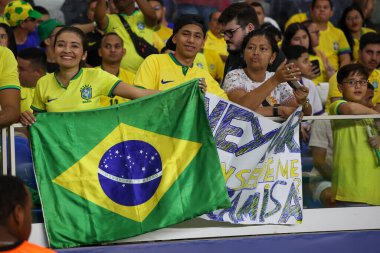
x: 9, y: 157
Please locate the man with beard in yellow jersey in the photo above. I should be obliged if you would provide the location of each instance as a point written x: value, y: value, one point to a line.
x: 140, y: 20
x: 369, y: 57
x: 9, y: 88
x: 165, y: 71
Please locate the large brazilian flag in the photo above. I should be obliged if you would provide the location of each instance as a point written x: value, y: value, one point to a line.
x: 114, y: 173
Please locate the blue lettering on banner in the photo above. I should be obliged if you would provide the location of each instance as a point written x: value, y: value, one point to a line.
x: 291, y: 210
x: 225, y: 128
x: 230, y: 211
x: 285, y: 137
x: 249, y: 207
x: 216, y: 113
x: 275, y: 201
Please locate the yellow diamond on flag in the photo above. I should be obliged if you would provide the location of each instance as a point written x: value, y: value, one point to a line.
x: 110, y: 175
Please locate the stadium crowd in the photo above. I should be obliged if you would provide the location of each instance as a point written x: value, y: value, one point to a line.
x: 269, y: 56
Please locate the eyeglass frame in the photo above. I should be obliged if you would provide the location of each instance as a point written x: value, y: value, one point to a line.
x: 230, y: 33
x: 354, y: 83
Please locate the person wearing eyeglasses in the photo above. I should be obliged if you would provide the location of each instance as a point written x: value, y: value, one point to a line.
x: 369, y: 57
x: 237, y: 21
x: 356, y: 170
x: 23, y: 19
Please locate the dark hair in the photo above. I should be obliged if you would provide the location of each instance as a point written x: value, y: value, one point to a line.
x: 12, y: 193
x: 36, y: 56
x: 41, y: 10
x: 351, y: 69
x: 257, y: 4
x: 110, y: 34
x: 344, y: 27
x: 11, y: 38
x: 272, y: 29
x: 294, y: 52
x: 169, y: 45
x: 289, y: 33
x: 313, y: 2
x: 369, y: 38
x: 188, y: 19
x: 242, y: 12
x: 77, y: 31
x: 160, y: 1
x: 261, y: 32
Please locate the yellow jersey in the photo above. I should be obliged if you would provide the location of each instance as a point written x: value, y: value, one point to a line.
x: 163, y: 71
x: 8, y: 70
x: 131, y: 60
x: 125, y: 76
x: 164, y: 33
x: 27, y: 95
x: 84, y: 91
x: 200, y: 61
x: 217, y: 44
x: 355, y: 50
x: 215, y: 64
x: 333, y: 42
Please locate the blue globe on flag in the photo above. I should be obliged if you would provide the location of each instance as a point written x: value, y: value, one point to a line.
x: 130, y: 172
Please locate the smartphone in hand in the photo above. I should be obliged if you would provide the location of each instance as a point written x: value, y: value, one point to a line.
x: 295, y: 84
x: 315, y: 67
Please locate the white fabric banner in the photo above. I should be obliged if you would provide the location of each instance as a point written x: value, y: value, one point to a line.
x: 261, y: 162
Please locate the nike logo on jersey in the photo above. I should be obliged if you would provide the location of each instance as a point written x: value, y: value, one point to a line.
x: 165, y: 82
x: 49, y: 100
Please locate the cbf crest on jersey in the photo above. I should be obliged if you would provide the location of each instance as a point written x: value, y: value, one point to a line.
x: 336, y: 46
x: 86, y: 93
x: 140, y: 25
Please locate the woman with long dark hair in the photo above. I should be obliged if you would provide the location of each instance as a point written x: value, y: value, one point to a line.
x: 351, y: 24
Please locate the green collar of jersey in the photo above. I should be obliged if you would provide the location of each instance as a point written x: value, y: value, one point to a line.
x: 184, y: 68
x: 80, y: 71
